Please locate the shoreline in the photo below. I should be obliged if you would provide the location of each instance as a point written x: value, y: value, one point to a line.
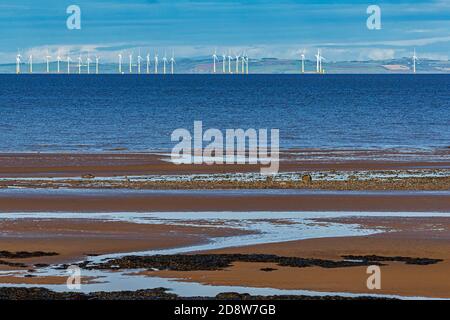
x: 64, y: 185
x: 125, y: 164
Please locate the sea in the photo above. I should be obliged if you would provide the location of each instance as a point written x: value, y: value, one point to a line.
x: 138, y: 113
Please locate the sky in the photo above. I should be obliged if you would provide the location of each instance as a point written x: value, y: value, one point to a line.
x: 261, y: 28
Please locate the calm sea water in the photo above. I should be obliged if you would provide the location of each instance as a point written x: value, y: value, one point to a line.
x: 105, y: 112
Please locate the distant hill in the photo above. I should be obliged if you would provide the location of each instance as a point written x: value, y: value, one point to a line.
x: 260, y: 66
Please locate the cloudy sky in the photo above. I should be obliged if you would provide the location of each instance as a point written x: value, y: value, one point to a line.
x: 263, y: 28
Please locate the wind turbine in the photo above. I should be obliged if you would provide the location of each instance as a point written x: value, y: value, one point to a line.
x: 215, y: 59
x: 18, y: 61
x: 415, y: 59
x: 88, y: 60
x: 68, y: 64
x: 318, y: 61
x: 224, y: 63
x: 303, y: 61
x: 58, y: 61
x: 120, y: 63
x: 321, y: 59
x: 237, y: 63
x: 139, y: 58
x: 30, y: 62
x: 229, y: 63
x: 148, y: 63
x: 48, y: 57
x: 156, y: 62
x: 243, y: 63
x: 80, y: 62
x: 172, y: 62
x: 131, y: 62
x: 97, y: 59
x: 164, y: 62
x: 246, y: 63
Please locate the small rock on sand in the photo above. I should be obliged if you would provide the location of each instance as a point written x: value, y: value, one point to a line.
x: 307, y: 179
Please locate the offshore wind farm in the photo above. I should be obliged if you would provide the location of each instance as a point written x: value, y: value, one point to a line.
x: 226, y: 63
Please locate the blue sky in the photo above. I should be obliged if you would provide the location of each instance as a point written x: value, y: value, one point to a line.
x: 195, y: 28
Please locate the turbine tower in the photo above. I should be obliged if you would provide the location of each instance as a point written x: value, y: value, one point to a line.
x: 237, y: 63
x: 246, y: 63
x: 58, y: 61
x: 172, y: 62
x: 68, y: 64
x: 156, y: 63
x: 18, y: 62
x: 224, y: 63
x: 303, y: 61
x: 80, y: 62
x: 88, y: 60
x: 30, y: 62
x: 97, y: 59
x: 131, y: 62
x: 229, y: 63
x: 48, y: 57
x: 148, y: 63
x: 139, y: 58
x: 215, y: 59
x: 318, y: 61
x: 321, y: 59
x: 165, y: 62
x: 415, y: 59
x: 120, y: 63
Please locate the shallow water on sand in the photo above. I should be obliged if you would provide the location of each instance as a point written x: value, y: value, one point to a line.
x: 271, y: 227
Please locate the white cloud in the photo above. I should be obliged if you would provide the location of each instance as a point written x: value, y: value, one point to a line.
x: 381, y: 54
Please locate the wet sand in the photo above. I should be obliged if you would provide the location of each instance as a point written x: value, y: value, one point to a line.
x: 417, y: 237
x: 119, y: 164
x: 73, y: 239
x: 135, y: 202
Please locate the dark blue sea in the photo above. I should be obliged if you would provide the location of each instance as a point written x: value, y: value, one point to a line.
x: 94, y: 113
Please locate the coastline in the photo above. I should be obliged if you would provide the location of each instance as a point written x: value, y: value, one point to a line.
x: 357, y: 182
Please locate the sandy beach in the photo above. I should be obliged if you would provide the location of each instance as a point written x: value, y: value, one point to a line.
x: 413, y: 238
x: 113, y: 164
x: 147, y: 202
x: 75, y: 240
x: 356, y: 182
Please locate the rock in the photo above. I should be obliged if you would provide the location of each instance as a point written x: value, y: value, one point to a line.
x: 307, y: 179
x: 210, y: 262
x: 268, y: 269
x: 25, y: 254
x: 149, y: 294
